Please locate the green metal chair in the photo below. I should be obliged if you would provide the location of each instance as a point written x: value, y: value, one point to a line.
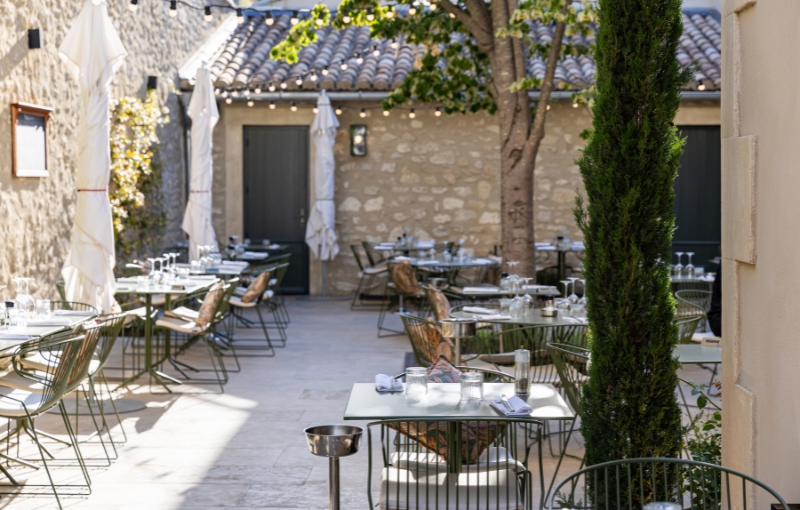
x: 362, y: 300
x: 693, y: 303
x: 632, y: 483
x: 417, y: 330
x: 686, y: 329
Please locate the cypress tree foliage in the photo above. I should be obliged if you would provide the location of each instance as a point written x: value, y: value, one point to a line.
x: 628, y: 168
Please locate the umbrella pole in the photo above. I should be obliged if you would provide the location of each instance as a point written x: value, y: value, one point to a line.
x: 324, y: 278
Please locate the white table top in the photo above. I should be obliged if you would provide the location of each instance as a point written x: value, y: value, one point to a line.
x: 35, y: 332
x: 190, y: 286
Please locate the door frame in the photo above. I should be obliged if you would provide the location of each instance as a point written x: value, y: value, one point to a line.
x: 233, y: 118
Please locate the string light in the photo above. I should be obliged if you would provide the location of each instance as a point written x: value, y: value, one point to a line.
x: 258, y: 90
x: 432, y: 6
x: 271, y: 87
x: 299, y: 81
x: 452, y: 15
x: 389, y: 13
x: 313, y: 76
x: 394, y: 44
x: 234, y: 94
x: 272, y: 105
x: 133, y: 5
x: 411, y: 114
x: 294, y: 18
x: 250, y: 104
x: 269, y: 19
x: 294, y: 106
x: 173, y: 8
x: 228, y: 101
x: 320, y: 21
x: 376, y: 52
x: 346, y: 19
x: 315, y: 109
x: 284, y: 85
x: 385, y: 113
x: 359, y: 59
x: 239, y: 15
x: 701, y: 86
x: 438, y: 112
x: 363, y: 113
x: 574, y: 105
x: 343, y: 65
x: 207, y: 13
x: 370, y: 15
x: 325, y: 71
x: 338, y: 110
x: 224, y: 93
x: 412, y: 10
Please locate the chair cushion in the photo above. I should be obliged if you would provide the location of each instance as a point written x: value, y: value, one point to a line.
x: 12, y: 408
x: 404, y: 278
x: 180, y: 325
x: 210, y: 304
x: 376, y: 269
x: 439, y: 303
x: 443, y: 372
x: 476, y: 436
x: 183, y: 313
x: 257, y: 288
x: 240, y: 303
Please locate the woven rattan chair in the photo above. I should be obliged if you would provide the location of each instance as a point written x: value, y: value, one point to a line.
x: 693, y: 303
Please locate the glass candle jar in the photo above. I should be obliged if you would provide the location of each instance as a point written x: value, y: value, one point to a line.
x: 416, y: 381
x: 472, y: 386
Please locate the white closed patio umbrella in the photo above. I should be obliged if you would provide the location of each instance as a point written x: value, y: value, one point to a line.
x: 94, y: 52
x: 320, y: 231
x: 204, y: 114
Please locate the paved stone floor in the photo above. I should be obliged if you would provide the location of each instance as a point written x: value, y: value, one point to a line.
x: 245, y: 448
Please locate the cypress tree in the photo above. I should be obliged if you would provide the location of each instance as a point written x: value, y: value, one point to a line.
x: 628, y: 167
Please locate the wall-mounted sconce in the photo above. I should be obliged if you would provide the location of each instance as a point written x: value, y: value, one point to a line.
x: 358, y: 140
x: 152, y: 82
x: 34, y: 39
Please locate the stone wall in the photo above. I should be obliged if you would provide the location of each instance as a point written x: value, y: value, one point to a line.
x: 36, y: 214
x: 438, y: 175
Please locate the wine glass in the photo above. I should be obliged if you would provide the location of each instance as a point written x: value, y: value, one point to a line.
x: 527, y: 301
x: 516, y: 305
x: 582, y: 300
x: 30, y: 304
x: 573, y: 298
x: 566, y: 287
x: 678, y: 269
x: 688, y: 269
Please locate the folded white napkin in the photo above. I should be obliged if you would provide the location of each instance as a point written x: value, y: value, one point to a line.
x: 14, y: 336
x: 479, y: 290
x: 494, y: 317
x: 482, y: 261
x: 401, y: 257
x: 128, y: 279
x: 254, y: 255
x: 73, y: 313
x: 384, y: 383
x: 480, y: 309
x: 427, y: 262
x: 521, y: 408
x: 55, y: 321
x: 546, y: 248
x: 235, y: 262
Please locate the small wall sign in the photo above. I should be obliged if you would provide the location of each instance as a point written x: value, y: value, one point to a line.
x: 29, y: 139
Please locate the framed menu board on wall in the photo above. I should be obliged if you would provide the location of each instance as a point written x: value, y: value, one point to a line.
x: 29, y: 139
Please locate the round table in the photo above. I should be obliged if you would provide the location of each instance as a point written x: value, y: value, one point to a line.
x: 532, y: 319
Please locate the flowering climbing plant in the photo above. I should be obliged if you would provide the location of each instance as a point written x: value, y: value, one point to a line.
x: 135, y: 184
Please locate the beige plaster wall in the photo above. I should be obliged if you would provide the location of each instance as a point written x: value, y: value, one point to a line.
x: 438, y: 175
x: 760, y: 241
x: 36, y: 214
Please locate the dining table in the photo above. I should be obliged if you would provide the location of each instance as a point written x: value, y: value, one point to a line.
x: 59, y: 320
x: 533, y: 318
x: 487, y: 291
x: 178, y: 288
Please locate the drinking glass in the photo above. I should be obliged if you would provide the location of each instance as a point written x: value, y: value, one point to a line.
x: 16, y: 318
x: 505, y: 306
x: 573, y: 298
x: 577, y: 311
x: 447, y: 256
x: 688, y: 269
x: 43, y: 308
x: 562, y: 305
x: 472, y: 386
x: 582, y: 300
x: 678, y: 268
x: 246, y: 241
x: 565, y: 283
x: 265, y: 242
x: 528, y: 303
x: 416, y: 381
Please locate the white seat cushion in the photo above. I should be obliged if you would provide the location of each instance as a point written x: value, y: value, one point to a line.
x: 238, y: 303
x: 38, y: 361
x: 180, y: 325
x: 376, y: 269
x: 12, y: 408
x: 17, y: 382
x: 184, y: 313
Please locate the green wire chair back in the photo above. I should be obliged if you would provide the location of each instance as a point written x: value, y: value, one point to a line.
x: 62, y: 291
x: 374, y: 256
x: 280, y: 272
x: 224, y: 304
x: 686, y: 329
x: 571, y: 363
x: 356, y: 248
x: 629, y: 484
x: 692, y: 302
x: 109, y: 332
x: 420, y: 332
x: 73, y: 306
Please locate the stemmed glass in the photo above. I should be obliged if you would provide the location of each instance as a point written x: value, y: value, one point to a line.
x: 527, y: 301
x: 573, y: 298
x: 678, y: 269
x: 152, y: 265
x: 582, y: 300
x: 689, y: 268
x: 516, y: 305
x: 566, y: 287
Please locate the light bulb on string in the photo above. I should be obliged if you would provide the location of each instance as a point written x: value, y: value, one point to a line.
x: 574, y: 105
x: 269, y: 19
x: 173, y: 8
x: 224, y: 93
x: 701, y: 86
x: 207, y: 13
x: 228, y: 101
x: 325, y: 71
x: 313, y: 76
x: 294, y: 106
x: 133, y: 5
x: 412, y: 114
x: 389, y: 13
x: 385, y: 113
x: 376, y: 52
x: 234, y: 94
x: 438, y: 112
x: 452, y: 15
x: 346, y: 19
x: 257, y: 90
x: 432, y: 6
x: 295, y: 20
x: 359, y: 59
x: 216, y: 92
x: 271, y: 87
x: 239, y: 15
x: 250, y: 104
x: 343, y: 66
x: 272, y: 105
x: 284, y: 85
x: 370, y: 15
x: 338, y: 110
x: 394, y: 44
x: 362, y: 113
x: 320, y: 21
x: 412, y: 10
x: 299, y: 81
x: 315, y: 110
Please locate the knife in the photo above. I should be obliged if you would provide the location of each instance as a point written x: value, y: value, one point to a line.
x: 507, y: 403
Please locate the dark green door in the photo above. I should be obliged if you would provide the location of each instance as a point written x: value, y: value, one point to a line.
x: 276, y: 160
x: 698, y: 211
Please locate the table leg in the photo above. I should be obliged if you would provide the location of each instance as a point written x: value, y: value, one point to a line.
x: 562, y: 266
x: 457, y: 356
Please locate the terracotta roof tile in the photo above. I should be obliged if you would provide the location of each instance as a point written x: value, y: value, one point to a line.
x: 243, y: 61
